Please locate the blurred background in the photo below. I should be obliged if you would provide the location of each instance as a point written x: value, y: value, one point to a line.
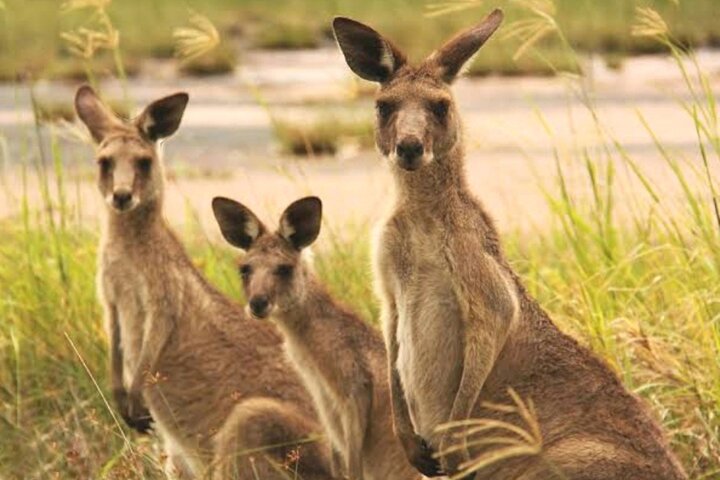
x: 592, y: 137
x: 269, y: 89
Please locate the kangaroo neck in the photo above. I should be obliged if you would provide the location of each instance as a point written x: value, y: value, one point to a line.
x: 434, y: 185
x: 137, y: 226
x: 314, y: 304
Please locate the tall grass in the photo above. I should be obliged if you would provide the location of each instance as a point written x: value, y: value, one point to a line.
x: 643, y: 291
x: 595, y: 26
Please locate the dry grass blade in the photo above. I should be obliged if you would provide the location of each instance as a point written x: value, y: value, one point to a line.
x: 197, y: 39
x: 444, y: 8
x: 532, y: 30
x: 649, y: 23
x: 544, y: 8
x: 84, y: 42
x: 70, y: 5
x: 511, y: 440
x: 99, y: 34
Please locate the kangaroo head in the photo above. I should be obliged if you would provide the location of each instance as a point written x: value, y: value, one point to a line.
x: 129, y: 168
x: 274, y: 275
x: 417, y: 121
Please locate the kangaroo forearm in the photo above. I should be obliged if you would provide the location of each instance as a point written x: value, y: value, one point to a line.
x: 401, y: 414
x: 116, y: 358
x: 478, y: 361
x: 355, y: 430
x: 154, y: 341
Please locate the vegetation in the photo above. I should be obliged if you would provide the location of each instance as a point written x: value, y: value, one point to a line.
x: 324, y: 135
x: 590, y: 26
x: 48, y: 111
x: 288, y: 36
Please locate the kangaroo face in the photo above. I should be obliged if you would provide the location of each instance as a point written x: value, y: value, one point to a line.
x: 273, y: 272
x: 129, y: 173
x: 129, y: 168
x: 417, y: 122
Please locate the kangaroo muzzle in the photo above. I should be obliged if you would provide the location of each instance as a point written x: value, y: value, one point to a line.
x: 410, y: 151
x: 259, y: 306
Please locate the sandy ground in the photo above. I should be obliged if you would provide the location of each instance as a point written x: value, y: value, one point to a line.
x: 511, y: 152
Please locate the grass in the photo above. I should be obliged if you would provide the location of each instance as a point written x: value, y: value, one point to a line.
x: 49, y: 111
x: 220, y: 61
x: 591, y: 26
x: 648, y: 305
x: 325, y: 134
x: 286, y: 36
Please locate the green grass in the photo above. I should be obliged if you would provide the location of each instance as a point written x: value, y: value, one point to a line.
x: 219, y: 61
x: 599, y: 26
x: 642, y: 297
x: 287, y: 36
x: 324, y: 135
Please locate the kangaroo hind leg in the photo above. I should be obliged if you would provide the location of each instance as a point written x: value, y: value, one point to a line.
x: 270, y: 440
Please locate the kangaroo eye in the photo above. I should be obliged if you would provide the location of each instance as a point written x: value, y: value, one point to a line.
x: 144, y: 164
x: 284, y: 271
x: 245, y: 270
x: 105, y: 165
x: 440, y: 108
x: 384, y: 109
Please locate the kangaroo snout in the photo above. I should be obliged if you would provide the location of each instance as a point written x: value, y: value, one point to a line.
x: 259, y: 306
x: 122, y: 199
x: 410, y: 151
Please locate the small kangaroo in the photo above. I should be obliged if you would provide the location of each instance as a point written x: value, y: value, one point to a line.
x: 460, y: 328
x: 214, y: 381
x: 340, y: 357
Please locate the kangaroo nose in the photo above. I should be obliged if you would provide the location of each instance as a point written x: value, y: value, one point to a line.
x: 121, y: 199
x: 409, y: 151
x: 259, y: 306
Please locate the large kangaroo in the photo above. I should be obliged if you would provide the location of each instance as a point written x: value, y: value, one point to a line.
x: 459, y: 326
x: 214, y: 381
x: 340, y: 357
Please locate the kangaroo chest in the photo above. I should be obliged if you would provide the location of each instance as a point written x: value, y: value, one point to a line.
x: 330, y: 407
x: 429, y: 331
x: 127, y: 289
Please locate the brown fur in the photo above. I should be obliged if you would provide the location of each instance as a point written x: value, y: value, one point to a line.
x: 459, y: 326
x: 177, y: 344
x: 340, y: 357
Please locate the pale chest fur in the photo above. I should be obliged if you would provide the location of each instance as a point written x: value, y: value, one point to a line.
x: 330, y: 407
x: 126, y: 291
x: 413, y: 268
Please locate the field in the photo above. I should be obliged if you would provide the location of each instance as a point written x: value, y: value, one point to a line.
x: 634, y: 274
x: 590, y: 26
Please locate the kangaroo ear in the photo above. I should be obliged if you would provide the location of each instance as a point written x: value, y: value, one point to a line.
x: 366, y: 52
x: 451, y: 57
x: 238, y: 224
x: 300, y: 222
x: 94, y: 114
x: 162, y: 118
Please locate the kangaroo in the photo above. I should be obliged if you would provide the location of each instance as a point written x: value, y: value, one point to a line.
x: 215, y: 382
x: 460, y: 329
x: 340, y: 358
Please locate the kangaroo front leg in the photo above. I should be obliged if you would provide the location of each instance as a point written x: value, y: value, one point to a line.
x: 156, y: 336
x: 486, y: 329
x: 141, y: 423
x: 355, y: 428
x: 416, y: 448
x: 479, y: 355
